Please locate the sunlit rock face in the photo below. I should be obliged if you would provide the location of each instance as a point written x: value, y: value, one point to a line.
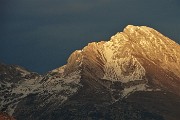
x: 158, y: 55
x: 139, y: 53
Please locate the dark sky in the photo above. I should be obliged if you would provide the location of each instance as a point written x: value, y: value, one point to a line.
x: 40, y: 34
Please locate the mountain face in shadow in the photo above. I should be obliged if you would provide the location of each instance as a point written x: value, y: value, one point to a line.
x: 133, y: 76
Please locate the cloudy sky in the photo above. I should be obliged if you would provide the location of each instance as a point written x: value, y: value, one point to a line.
x: 40, y: 34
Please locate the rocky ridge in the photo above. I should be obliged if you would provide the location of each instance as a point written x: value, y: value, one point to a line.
x: 136, y: 54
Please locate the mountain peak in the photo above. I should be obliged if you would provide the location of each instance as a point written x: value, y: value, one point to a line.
x: 136, y: 34
x: 134, y: 54
x: 132, y: 28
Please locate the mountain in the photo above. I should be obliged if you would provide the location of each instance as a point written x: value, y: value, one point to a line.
x: 133, y: 76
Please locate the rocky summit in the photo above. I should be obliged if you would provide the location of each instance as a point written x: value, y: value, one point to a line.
x: 133, y: 76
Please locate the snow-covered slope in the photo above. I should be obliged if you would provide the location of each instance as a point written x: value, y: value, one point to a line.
x: 17, y: 83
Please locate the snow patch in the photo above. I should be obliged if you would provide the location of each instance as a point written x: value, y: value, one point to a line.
x: 124, y: 70
x: 129, y: 90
